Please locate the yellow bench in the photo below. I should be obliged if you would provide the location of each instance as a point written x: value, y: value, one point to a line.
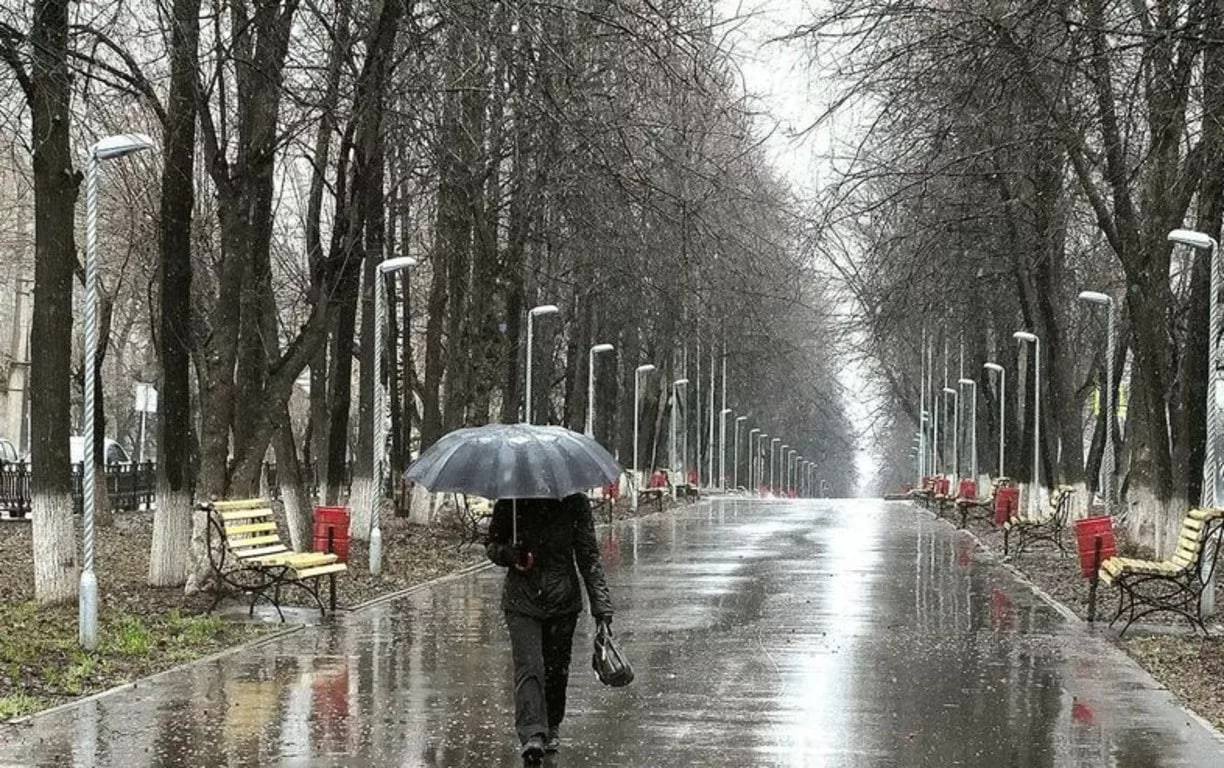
x: 253, y: 559
x: 1175, y: 585
x: 1047, y: 525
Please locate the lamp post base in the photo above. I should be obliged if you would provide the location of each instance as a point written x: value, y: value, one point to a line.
x: 375, y: 551
x: 88, y: 611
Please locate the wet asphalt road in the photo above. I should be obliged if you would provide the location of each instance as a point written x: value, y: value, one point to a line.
x: 763, y: 633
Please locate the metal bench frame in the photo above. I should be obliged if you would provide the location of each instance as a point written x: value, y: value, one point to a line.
x: 259, y: 580
x: 1049, y: 529
x: 1180, y: 592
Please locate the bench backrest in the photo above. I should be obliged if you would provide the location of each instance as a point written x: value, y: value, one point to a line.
x: 1196, y: 527
x: 246, y: 525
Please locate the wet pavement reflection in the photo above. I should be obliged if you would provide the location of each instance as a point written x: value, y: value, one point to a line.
x: 839, y: 633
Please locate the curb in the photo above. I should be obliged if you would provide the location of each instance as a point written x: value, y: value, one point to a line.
x: 248, y: 645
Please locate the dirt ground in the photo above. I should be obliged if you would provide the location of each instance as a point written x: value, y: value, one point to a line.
x: 1191, y: 666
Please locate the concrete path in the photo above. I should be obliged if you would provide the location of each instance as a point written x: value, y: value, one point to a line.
x: 833, y: 633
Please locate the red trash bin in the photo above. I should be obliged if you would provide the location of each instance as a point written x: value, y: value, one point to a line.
x: 968, y: 489
x: 1007, y: 501
x: 331, y: 531
x: 1087, y: 532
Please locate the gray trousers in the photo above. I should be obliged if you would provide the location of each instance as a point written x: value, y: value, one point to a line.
x: 542, y: 649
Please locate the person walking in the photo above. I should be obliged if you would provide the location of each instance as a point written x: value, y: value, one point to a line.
x: 542, y: 598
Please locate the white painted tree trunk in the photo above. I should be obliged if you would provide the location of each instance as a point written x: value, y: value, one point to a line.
x: 360, y: 499
x: 296, y: 518
x: 169, y: 555
x: 199, y: 575
x: 420, y: 506
x: 56, y: 567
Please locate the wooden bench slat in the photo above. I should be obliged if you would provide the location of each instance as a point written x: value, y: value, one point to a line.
x: 275, y: 549
x: 245, y: 514
x: 322, y: 570
x: 234, y: 505
x: 253, y: 541
x: 299, y: 560
x: 245, y: 528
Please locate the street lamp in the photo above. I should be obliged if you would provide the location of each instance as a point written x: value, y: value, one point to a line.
x: 595, y: 350
x: 753, y: 446
x: 955, y: 431
x: 675, y: 428
x: 110, y: 148
x: 1023, y: 337
x: 773, y: 447
x: 1212, y: 493
x: 388, y: 267
x: 637, y: 397
x: 1107, y: 465
x: 722, y: 445
x: 973, y: 466
x: 540, y: 311
x: 1002, y: 407
x: 735, y: 452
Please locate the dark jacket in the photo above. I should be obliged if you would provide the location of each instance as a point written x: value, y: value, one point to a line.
x: 558, y: 534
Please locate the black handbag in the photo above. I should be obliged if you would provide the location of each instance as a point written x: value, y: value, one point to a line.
x: 611, y: 666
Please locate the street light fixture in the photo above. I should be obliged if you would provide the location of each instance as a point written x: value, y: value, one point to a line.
x: 590, y: 420
x: 388, y: 267
x: 675, y: 428
x: 637, y: 398
x: 735, y: 452
x: 1107, y: 465
x: 722, y: 443
x: 753, y: 447
x: 1026, y: 337
x: 773, y: 447
x: 110, y: 148
x: 540, y: 311
x: 955, y: 430
x: 1002, y: 372
x: 1212, y: 493
x: 973, y: 464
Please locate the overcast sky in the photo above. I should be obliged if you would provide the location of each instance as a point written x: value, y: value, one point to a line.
x: 791, y: 93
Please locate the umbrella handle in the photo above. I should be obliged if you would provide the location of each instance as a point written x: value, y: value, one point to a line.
x: 514, y: 521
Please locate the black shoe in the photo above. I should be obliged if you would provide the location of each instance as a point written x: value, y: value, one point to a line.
x: 553, y: 743
x: 533, y: 750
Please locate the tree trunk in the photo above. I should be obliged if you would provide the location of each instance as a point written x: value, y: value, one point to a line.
x: 55, y: 190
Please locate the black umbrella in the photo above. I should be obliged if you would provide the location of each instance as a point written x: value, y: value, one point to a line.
x: 514, y: 461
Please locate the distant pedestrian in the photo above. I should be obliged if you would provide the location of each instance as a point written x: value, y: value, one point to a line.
x: 542, y: 599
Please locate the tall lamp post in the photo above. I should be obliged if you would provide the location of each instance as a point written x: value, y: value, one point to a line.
x: 677, y: 426
x: 973, y: 465
x: 955, y: 431
x: 598, y: 349
x: 1002, y: 409
x: 540, y: 311
x: 110, y: 148
x: 379, y: 459
x: 773, y: 448
x: 722, y: 444
x: 1107, y: 463
x: 637, y: 399
x: 735, y: 452
x: 1212, y: 493
x: 754, y: 449
x: 1026, y: 337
